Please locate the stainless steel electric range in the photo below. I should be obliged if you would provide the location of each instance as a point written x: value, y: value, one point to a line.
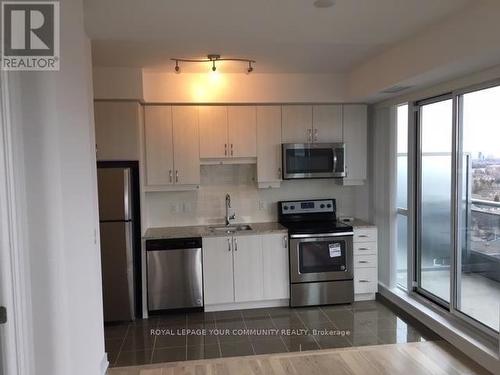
x: 320, y: 252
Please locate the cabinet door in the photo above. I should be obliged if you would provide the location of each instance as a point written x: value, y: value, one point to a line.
x: 158, y: 145
x: 327, y: 123
x: 248, y: 283
x: 218, y: 270
x: 269, y: 144
x: 275, y: 266
x: 186, y: 145
x: 117, y: 129
x: 297, y: 123
x: 356, y: 143
x: 213, y: 132
x: 242, y: 131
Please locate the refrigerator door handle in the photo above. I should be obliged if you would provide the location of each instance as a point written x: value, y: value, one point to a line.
x: 127, y: 194
x: 130, y: 266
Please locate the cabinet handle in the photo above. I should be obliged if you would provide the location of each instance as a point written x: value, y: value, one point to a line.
x: 235, y: 244
x: 231, y: 149
x: 176, y: 176
x: 364, y: 281
x: 363, y: 261
x: 309, y: 135
x: 228, y: 244
x: 170, y: 175
x: 315, y: 135
x: 363, y: 248
x: 362, y: 236
x: 225, y: 149
x: 279, y: 172
x: 285, y: 242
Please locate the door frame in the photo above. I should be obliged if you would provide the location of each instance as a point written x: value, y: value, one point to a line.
x: 416, y: 285
x: 15, y: 291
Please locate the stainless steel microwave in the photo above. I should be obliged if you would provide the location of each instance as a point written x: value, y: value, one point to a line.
x: 313, y: 160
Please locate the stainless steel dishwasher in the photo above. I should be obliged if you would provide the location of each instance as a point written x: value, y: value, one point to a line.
x: 174, y: 273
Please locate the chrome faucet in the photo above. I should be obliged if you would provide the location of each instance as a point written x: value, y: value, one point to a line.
x: 228, y: 206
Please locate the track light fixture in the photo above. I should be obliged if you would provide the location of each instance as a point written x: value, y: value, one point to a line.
x: 212, y: 58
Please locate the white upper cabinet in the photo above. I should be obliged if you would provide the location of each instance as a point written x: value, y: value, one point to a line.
x: 275, y: 266
x: 159, y: 145
x: 186, y: 145
x: 171, y: 137
x: 248, y: 282
x: 269, y: 146
x: 355, y: 120
x: 218, y: 286
x: 117, y: 130
x: 228, y: 132
x: 327, y: 123
x: 242, y: 131
x: 213, y: 132
x: 297, y: 123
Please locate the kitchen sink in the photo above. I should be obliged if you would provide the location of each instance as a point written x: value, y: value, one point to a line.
x: 231, y: 228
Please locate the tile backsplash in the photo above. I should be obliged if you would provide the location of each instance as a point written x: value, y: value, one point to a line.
x: 207, y: 204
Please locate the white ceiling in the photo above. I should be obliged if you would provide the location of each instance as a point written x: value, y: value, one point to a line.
x: 284, y: 36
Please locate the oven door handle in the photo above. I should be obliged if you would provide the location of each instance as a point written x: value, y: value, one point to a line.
x: 321, y: 235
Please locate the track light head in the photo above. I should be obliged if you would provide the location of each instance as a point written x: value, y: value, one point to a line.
x: 177, y: 68
x: 213, y: 66
x: 250, y: 68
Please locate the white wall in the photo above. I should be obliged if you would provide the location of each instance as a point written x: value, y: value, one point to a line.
x: 382, y: 194
x: 52, y: 113
x: 117, y: 83
x: 167, y: 87
x: 207, y: 204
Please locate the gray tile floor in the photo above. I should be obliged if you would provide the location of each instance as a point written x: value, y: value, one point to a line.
x: 199, y: 335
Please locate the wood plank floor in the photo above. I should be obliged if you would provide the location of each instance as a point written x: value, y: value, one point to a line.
x: 421, y: 358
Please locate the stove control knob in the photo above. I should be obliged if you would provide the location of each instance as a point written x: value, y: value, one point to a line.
x: 322, y: 206
x: 329, y: 205
x: 285, y: 208
x: 292, y: 207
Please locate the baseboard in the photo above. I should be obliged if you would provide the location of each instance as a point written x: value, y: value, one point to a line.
x: 104, y: 364
x: 248, y: 305
x: 364, y: 297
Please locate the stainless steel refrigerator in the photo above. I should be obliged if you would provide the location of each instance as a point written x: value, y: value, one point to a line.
x: 117, y: 243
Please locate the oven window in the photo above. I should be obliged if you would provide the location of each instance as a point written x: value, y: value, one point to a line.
x: 316, y: 160
x: 322, y: 256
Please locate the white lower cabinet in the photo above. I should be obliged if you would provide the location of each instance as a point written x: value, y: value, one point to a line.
x: 365, y: 263
x: 244, y: 269
x: 275, y: 266
x: 247, y: 257
x: 218, y: 270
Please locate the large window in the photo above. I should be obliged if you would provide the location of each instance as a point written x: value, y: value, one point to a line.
x: 456, y: 190
x: 478, y: 276
x: 401, y: 196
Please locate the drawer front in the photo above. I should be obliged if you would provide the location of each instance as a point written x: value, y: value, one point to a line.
x: 365, y: 235
x: 365, y: 280
x: 365, y: 248
x: 365, y: 261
